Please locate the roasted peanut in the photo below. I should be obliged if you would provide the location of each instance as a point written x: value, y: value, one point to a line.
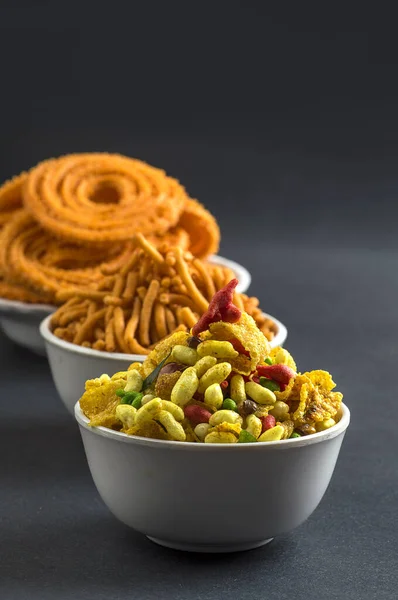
x: 224, y: 416
x: 197, y: 414
x: 185, y: 387
x: 280, y: 410
x: 272, y: 435
x: 147, y: 398
x: 237, y: 388
x: 215, y: 374
x: 134, y: 381
x: 204, y: 364
x: 214, y: 396
x: 173, y: 428
x: 267, y: 422
x: 220, y: 437
x: 217, y: 349
x: 327, y: 424
x: 259, y: 394
x: 173, y: 409
x: 184, y: 355
x: 148, y: 411
x: 201, y: 430
x: 126, y: 414
x: 253, y: 425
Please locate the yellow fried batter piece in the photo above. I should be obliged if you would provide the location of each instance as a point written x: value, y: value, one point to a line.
x: 283, y: 396
x: 136, y: 366
x: 281, y: 356
x: 99, y: 401
x: 322, y: 380
x: 251, y: 338
x: 149, y: 429
x: 311, y: 399
x: 165, y: 383
x: 225, y: 427
x: 263, y: 410
x: 288, y: 427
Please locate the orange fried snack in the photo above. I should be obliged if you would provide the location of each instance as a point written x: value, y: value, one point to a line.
x: 202, y: 229
x: 13, y: 291
x: 155, y: 293
x: 11, y: 197
x: 102, y: 198
x: 176, y: 236
x: 35, y: 265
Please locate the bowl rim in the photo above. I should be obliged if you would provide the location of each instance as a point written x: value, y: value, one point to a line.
x: 16, y: 306
x: 52, y: 339
x: 118, y: 436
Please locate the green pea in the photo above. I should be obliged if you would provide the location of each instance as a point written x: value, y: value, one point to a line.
x: 268, y: 361
x: 120, y: 393
x: 229, y: 404
x: 137, y: 402
x: 246, y: 438
x: 128, y: 398
x: 270, y: 385
x: 295, y: 435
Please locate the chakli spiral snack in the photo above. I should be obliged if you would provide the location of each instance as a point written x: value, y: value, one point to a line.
x: 11, y: 197
x: 81, y: 211
x: 202, y: 228
x: 155, y: 293
x: 177, y: 236
x: 99, y: 198
x: 35, y: 265
x: 102, y: 198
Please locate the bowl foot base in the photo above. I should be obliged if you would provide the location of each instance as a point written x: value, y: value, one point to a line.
x: 209, y: 547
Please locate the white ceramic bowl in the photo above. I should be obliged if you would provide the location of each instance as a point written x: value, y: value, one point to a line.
x: 72, y: 365
x: 20, y: 321
x: 211, y: 497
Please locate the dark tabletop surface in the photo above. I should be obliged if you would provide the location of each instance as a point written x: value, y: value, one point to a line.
x: 328, y: 271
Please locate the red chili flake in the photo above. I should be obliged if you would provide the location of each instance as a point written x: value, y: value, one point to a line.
x: 268, y: 422
x: 280, y: 373
x: 221, y: 308
x: 239, y: 347
x: 249, y: 377
x: 224, y: 384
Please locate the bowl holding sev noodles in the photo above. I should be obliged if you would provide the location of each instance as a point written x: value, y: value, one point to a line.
x: 67, y: 218
x: 22, y: 311
x: 157, y: 292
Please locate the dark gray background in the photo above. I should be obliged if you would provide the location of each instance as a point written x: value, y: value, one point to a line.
x: 284, y: 124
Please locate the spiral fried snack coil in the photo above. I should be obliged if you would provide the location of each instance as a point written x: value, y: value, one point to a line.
x: 102, y: 198
x: 35, y: 265
x: 11, y: 197
x: 154, y: 294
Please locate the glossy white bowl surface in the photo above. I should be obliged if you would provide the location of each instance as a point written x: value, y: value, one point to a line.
x: 211, y: 497
x: 20, y: 322
x: 72, y: 365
